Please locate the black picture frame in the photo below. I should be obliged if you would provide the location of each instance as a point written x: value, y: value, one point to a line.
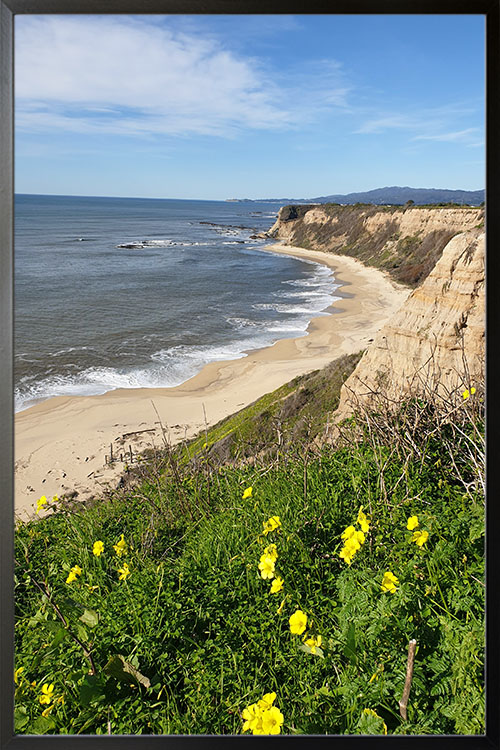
x: 8, y: 10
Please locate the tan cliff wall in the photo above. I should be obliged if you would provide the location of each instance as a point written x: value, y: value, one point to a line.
x: 406, y: 242
x: 435, y: 342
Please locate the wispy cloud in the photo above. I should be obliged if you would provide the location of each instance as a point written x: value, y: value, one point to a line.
x: 132, y: 76
x: 388, y: 122
x: 457, y: 135
x: 430, y: 124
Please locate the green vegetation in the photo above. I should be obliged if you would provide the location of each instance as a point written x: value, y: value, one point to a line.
x: 168, y: 625
x: 295, y: 412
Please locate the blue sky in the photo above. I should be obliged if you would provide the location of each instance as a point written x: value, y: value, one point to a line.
x: 222, y: 106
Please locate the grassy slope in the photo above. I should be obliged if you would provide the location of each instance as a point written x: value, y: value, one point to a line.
x: 195, y: 618
x: 298, y: 410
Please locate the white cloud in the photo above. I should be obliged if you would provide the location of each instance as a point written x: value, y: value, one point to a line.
x: 457, y: 135
x: 379, y: 124
x: 134, y: 76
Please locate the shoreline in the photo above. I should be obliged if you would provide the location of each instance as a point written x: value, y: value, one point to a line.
x: 61, y: 443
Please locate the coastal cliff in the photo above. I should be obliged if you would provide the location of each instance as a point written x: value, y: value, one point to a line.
x: 435, y: 342
x: 404, y: 241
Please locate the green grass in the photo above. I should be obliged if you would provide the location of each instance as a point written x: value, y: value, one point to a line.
x: 193, y: 635
x: 297, y: 411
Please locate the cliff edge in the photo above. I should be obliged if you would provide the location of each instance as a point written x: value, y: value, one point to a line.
x: 404, y: 241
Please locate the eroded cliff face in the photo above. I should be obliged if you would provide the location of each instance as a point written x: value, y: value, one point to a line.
x: 406, y: 242
x: 435, y: 343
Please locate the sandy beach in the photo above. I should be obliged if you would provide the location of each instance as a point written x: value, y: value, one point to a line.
x: 61, y: 443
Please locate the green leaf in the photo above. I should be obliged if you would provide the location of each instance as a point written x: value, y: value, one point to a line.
x: 308, y: 650
x: 124, y: 671
x: 325, y: 691
x: 21, y: 718
x: 91, y: 689
x: 59, y: 637
x: 370, y: 723
x: 81, y: 632
x: 90, y: 618
x: 43, y: 724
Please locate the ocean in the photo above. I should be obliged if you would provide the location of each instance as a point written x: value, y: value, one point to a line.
x: 142, y: 293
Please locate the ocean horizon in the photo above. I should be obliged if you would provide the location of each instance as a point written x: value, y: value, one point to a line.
x: 143, y: 293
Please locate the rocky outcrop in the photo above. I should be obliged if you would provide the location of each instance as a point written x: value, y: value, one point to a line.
x: 405, y: 241
x: 435, y: 342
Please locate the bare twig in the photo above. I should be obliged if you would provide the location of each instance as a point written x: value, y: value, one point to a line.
x: 403, y: 703
x: 163, y: 431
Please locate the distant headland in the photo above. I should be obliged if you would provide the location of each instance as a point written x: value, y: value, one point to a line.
x: 393, y: 196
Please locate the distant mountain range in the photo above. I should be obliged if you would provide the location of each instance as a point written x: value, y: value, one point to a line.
x: 389, y: 195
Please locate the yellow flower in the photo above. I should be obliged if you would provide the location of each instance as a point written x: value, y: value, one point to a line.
x: 47, y: 711
x: 359, y: 537
x: 272, y: 551
x: 271, y: 524
x: 55, y: 499
x: 73, y: 573
x: 17, y: 673
x: 46, y: 695
x: 353, y: 542
x: 252, y: 715
x: 266, y: 566
x: 298, y: 622
x: 377, y: 674
x: 389, y: 582
x: 98, y: 548
x: 280, y: 608
x: 313, y: 643
x: 412, y: 523
x: 363, y: 521
x: 40, y: 503
x: 353, y: 537
x: 272, y: 719
x: 263, y: 717
x: 420, y: 537
x: 468, y: 393
x: 348, y: 533
x: 347, y: 553
x: 121, y: 547
x: 267, y: 701
x: 124, y: 572
x: 276, y: 585
x: 247, y: 493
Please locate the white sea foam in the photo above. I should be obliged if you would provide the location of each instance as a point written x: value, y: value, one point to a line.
x: 298, y: 327
x: 242, y: 323
x: 152, y: 244
x: 70, y: 349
